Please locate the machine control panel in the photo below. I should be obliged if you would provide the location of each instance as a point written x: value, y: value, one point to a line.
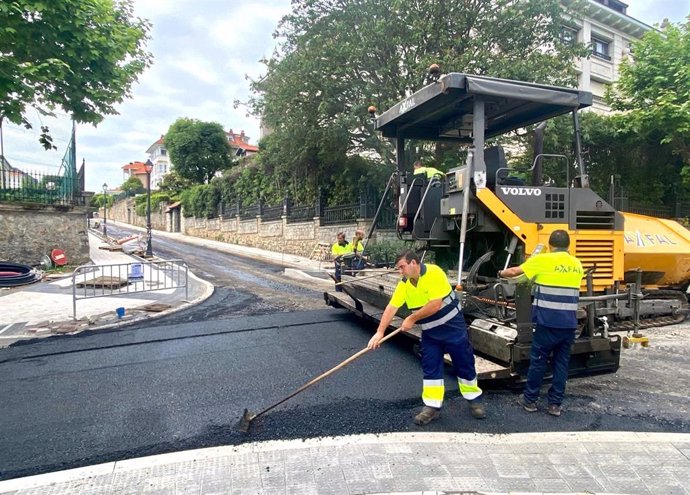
x: 455, y: 179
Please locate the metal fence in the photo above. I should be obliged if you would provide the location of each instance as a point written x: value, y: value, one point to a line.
x: 301, y: 214
x: 329, y: 215
x: 387, y: 218
x: 272, y: 213
x: 247, y: 212
x: 90, y: 281
x: 341, y: 214
x: 19, y: 186
x: 676, y: 210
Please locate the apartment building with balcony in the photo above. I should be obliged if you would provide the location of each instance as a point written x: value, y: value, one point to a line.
x: 158, y: 155
x: 608, y: 29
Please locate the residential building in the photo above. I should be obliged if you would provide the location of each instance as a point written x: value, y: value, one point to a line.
x: 13, y: 178
x: 158, y: 154
x: 161, y: 163
x: 608, y: 29
x: 138, y: 170
x: 239, y: 144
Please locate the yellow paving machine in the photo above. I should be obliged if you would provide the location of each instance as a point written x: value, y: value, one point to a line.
x: 480, y: 218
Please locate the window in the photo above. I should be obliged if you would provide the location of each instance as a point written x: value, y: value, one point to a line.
x: 600, y: 48
x: 164, y: 152
x: 568, y: 36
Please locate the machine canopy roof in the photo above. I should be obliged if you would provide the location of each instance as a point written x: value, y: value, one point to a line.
x: 443, y: 110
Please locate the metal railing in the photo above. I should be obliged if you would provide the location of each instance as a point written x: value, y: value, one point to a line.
x: 301, y: 214
x: 272, y: 213
x: 651, y: 211
x: 90, y: 281
x: 249, y: 211
x: 17, y: 186
x: 341, y: 214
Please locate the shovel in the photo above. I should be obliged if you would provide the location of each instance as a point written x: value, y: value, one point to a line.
x: 248, y: 416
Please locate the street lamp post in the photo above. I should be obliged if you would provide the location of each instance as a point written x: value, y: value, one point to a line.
x: 149, y: 168
x: 105, y: 208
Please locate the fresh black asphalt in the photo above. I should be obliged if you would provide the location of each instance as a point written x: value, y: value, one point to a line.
x: 98, y: 397
x: 183, y: 381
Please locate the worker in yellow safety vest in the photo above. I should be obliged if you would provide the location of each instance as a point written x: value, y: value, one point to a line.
x: 429, y: 172
x: 340, y: 249
x: 357, y: 243
x: 557, y: 276
x: 425, y: 289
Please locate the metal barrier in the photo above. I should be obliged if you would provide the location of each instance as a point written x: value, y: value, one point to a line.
x: 128, y: 278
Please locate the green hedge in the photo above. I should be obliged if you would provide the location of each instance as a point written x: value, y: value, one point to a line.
x: 156, y: 200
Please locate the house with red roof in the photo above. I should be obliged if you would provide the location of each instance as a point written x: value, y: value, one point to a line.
x: 158, y: 154
x: 239, y: 144
x: 136, y: 169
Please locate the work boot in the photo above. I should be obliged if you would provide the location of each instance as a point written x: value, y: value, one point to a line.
x: 554, y: 410
x: 427, y: 415
x: 477, y: 409
x: 527, y: 406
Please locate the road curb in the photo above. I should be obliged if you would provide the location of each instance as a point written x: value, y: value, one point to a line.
x: 392, y: 439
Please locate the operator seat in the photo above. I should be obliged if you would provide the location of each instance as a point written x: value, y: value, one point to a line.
x: 495, y: 160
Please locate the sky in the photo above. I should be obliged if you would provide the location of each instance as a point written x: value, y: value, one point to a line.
x: 203, y: 51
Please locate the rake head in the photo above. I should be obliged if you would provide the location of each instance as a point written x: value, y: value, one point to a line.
x: 246, y: 421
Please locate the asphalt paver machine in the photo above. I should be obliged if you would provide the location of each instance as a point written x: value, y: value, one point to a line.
x: 479, y: 218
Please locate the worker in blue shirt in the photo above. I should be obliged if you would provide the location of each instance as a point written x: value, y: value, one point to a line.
x: 557, y: 276
x: 425, y: 289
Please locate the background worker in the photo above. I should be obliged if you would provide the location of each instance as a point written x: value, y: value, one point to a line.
x: 358, y: 263
x: 429, y: 172
x: 556, y: 276
x: 425, y: 289
x: 358, y: 241
x: 339, y: 249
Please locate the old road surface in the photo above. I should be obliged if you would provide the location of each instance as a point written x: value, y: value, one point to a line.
x: 182, y: 382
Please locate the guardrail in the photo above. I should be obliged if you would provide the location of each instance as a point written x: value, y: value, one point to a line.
x: 90, y: 281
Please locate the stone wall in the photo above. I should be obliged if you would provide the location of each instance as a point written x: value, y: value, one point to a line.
x: 28, y: 232
x: 124, y: 211
x: 275, y: 235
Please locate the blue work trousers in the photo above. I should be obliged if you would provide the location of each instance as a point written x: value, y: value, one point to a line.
x: 338, y: 275
x: 546, y: 342
x: 451, y: 337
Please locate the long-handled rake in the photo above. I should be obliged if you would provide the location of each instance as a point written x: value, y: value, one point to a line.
x: 248, y: 416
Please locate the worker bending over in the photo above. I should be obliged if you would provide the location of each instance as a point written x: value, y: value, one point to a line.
x: 429, y: 172
x: 425, y: 289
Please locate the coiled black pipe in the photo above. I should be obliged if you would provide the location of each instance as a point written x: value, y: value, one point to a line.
x: 12, y: 274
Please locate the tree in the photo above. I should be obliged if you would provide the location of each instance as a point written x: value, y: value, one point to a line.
x: 133, y: 186
x: 174, y: 184
x: 78, y: 55
x: 197, y: 149
x: 340, y: 57
x: 647, y: 172
x: 654, y: 89
x: 98, y: 200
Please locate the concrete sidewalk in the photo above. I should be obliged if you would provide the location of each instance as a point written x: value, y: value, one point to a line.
x: 611, y: 463
x: 46, y: 308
